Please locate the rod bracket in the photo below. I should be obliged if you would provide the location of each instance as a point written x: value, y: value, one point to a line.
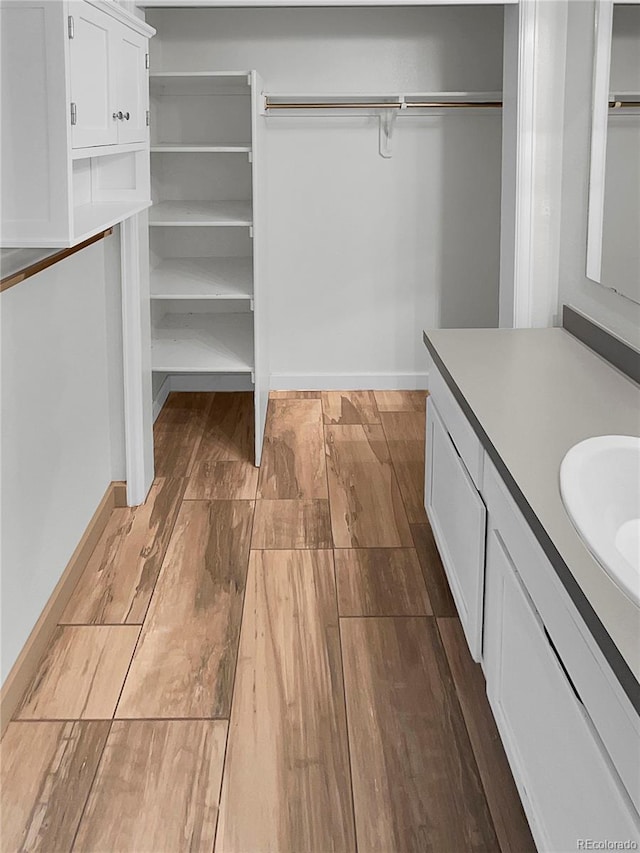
x: 387, y: 119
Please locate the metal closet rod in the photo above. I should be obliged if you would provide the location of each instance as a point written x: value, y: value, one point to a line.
x: 375, y: 105
x: 402, y: 105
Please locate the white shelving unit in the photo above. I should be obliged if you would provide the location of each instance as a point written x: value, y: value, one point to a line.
x: 204, y: 232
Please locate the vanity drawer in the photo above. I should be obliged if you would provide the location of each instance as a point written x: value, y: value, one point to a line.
x: 466, y: 441
x: 607, y: 705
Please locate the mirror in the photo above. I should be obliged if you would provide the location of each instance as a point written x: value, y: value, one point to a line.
x: 613, y: 233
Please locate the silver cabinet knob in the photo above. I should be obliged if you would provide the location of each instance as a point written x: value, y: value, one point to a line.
x: 127, y: 116
x: 120, y: 115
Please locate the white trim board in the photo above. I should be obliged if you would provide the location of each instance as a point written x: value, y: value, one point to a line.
x: 136, y: 344
x: 532, y: 185
x: 599, y: 127
x: 161, y: 398
x: 115, y: 10
x: 291, y: 382
x: 244, y: 4
x: 349, y: 381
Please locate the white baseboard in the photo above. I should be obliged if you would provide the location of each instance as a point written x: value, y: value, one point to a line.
x: 200, y: 382
x: 290, y: 382
x: 349, y: 381
x: 39, y: 639
x: 161, y: 397
x: 211, y: 382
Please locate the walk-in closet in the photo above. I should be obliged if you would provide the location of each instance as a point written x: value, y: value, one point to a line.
x: 326, y: 184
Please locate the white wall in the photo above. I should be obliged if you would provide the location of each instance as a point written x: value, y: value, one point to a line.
x: 363, y: 252
x: 616, y: 312
x: 62, y: 430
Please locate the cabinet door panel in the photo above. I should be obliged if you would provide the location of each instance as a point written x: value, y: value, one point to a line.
x: 458, y: 519
x: 131, y: 88
x: 92, y: 66
x: 568, y: 786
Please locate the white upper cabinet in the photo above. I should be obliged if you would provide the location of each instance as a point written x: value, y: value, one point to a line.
x: 75, y: 155
x: 109, y: 86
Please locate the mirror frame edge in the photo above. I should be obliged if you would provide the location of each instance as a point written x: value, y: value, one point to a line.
x: 603, y: 29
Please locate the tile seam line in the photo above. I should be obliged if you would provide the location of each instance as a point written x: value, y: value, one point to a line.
x: 120, y: 719
x: 344, y: 684
x: 100, y: 624
x: 404, y: 505
x: 153, y: 592
x: 91, y: 787
x: 196, y: 446
x: 434, y: 618
x: 466, y: 728
x: 389, y: 616
x: 235, y: 675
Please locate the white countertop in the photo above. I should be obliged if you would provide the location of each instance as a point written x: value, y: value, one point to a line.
x: 536, y: 393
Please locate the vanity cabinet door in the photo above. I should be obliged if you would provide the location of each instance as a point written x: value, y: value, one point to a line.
x: 458, y: 519
x: 93, y: 70
x: 568, y: 786
x: 131, y: 87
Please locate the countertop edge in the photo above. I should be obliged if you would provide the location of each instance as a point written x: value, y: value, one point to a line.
x: 600, y: 634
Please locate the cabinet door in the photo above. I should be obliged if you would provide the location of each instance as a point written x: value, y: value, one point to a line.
x: 568, y: 786
x: 132, y: 86
x: 458, y: 518
x: 93, y: 76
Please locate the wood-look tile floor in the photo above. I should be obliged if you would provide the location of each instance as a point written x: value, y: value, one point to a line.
x: 264, y: 662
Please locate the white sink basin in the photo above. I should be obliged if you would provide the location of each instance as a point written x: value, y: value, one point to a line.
x: 600, y: 486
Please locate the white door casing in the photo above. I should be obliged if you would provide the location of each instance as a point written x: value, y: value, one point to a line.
x: 532, y: 192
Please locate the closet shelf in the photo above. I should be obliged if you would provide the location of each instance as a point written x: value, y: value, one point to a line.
x: 203, y: 343
x: 200, y: 83
x: 201, y: 213
x: 202, y: 278
x: 200, y: 148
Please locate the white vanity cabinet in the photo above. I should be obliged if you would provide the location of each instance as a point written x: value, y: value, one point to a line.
x: 75, y: 151
x: 454, y: 506
x: 572, y: 738
x: 570, y: 732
